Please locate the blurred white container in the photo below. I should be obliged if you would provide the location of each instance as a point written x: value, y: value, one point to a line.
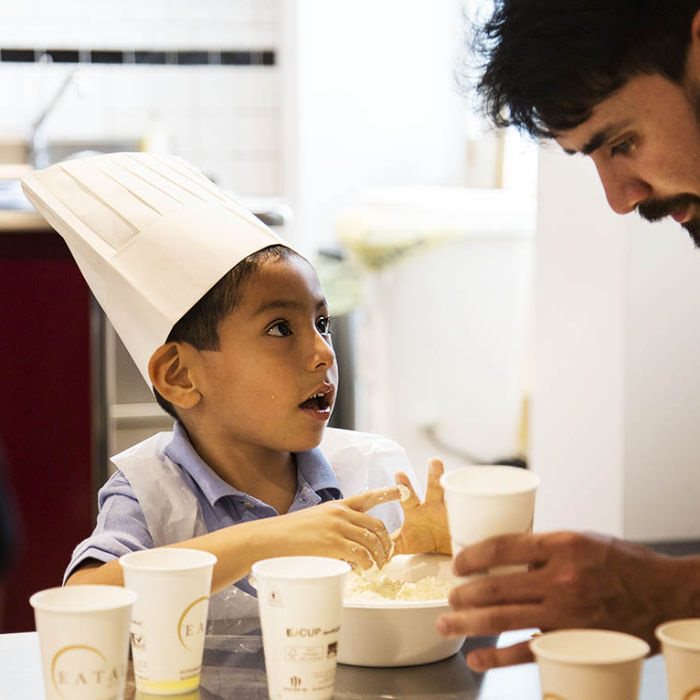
x: 442, y: 349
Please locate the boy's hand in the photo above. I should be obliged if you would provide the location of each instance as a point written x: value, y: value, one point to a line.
x: 339, y: 529
x: 425, y: 526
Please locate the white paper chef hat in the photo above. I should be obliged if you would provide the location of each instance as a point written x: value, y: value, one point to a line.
x: 150, y: 233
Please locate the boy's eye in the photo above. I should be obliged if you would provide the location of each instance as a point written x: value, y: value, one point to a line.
x: 324, y: 325
x: 280, y: 329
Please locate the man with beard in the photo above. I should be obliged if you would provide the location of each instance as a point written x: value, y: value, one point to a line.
x: 618, y: 81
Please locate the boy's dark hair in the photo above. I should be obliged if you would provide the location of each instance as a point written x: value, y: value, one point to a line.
x: 200, y: 325
x: 548, y: 63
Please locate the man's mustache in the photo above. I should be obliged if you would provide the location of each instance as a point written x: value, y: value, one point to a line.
x: 656, y: 209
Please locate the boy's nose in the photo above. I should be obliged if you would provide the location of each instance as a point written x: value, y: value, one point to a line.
x: 323, y: 355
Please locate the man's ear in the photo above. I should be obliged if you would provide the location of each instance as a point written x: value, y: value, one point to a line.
x: 170, y: 371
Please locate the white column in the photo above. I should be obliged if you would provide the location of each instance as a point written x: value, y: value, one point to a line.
x: 578, y: 399
x: 616, y: 407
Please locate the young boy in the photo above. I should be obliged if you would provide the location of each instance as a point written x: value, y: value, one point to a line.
x: 231, y: 328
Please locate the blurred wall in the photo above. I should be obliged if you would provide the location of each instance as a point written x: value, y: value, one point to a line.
x: 370, y: 99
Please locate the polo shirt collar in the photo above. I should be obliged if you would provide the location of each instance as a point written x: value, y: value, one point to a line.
x: 313, y: 469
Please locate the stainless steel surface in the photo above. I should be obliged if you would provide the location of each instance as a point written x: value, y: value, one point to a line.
x: 65, y: 149
x: 234, y: 669
x: 16, y: 213
x: 11, y: 196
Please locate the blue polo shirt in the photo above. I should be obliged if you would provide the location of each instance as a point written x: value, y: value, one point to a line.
x: 121, y: 526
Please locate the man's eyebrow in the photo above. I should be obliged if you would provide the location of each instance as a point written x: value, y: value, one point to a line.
x: 284, y: 304
x: 598, y: 139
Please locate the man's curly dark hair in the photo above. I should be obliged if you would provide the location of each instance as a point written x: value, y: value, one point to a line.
x: 545, y: 64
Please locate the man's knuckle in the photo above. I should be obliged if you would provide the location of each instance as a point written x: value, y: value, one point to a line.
x: 491, y: 589
x: 490, y: 619
x: 563, y: 539
x: 572, y: 580
x: 495, y: 549
x: 461, y: 597
x: 571, y: 542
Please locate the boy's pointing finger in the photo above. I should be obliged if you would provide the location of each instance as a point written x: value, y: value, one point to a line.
x: 364, y: 501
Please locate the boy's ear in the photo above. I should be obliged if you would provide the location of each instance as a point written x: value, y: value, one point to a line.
x: 170, y: 371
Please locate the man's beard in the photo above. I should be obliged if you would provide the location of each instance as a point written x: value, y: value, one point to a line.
x: 656, y: 209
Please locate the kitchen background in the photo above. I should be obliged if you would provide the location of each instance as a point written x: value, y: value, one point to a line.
x: 475, y: 317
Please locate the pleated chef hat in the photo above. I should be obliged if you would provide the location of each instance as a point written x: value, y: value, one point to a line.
x: 151, y: 235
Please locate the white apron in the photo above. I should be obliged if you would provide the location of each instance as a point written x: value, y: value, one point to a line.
x: 360, y: 461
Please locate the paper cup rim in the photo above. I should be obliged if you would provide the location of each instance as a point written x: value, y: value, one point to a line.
x: 446, y: 477
x: 122, y: 598
x: 661, y: 633
x: 259, y: 568
x: 577, y: 659
x: 198, y: 560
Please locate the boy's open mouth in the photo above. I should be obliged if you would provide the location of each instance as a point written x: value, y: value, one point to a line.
x: 317, y: 402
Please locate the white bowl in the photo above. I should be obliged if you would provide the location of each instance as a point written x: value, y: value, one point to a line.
x: 398, y: 632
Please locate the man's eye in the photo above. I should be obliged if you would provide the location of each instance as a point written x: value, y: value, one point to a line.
x: 281, y: 329
x: 324, y: 325
x: 623, y: 148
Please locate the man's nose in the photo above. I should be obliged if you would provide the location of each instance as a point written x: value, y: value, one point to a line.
x: 624, y: 191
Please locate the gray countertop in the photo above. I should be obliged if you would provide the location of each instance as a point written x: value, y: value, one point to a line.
x: 234, y: 668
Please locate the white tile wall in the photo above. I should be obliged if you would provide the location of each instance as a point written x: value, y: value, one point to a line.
x: 139, y: 23
x: 225, y: 119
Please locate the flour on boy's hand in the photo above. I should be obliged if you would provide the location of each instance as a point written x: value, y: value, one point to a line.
x: 404, y: 492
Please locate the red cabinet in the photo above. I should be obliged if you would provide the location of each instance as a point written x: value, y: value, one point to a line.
x: 45, y: 409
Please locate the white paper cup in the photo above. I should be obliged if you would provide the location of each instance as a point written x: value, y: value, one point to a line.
x: 485, y: 501
x: 170, y: 616
x: 300, y: 600
x: 680, y: 643
x: 581, y: 664
x: 84, y: 640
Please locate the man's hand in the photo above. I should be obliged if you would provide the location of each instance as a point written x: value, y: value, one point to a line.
x: 574, y: 580
x: 425, y: 524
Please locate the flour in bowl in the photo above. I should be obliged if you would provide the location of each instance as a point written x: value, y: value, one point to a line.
x: 373, y: 586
